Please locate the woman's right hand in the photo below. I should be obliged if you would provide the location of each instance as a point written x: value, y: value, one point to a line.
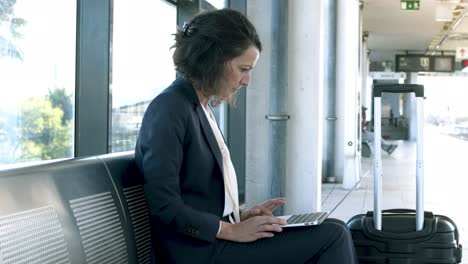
x: 251, y: 229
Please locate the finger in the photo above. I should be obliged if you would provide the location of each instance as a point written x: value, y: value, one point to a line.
x: 277, y: 200
x: 271, y: 220
x: 269, y: 203
x: 274, y: 203
x: 264, y: 235
x: 253, y: 212
x: 274, y: 207
x: 270, y: 228
x: 250, y: 213
x: 264, y: 211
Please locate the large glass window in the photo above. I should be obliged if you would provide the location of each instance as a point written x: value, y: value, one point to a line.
x: 141, y: 64
x: 445, y: 106
x: 37, y: 68
x: 217, y: 4
x: 219, y: 112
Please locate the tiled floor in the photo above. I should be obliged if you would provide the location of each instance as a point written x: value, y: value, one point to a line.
x: 445, y: 182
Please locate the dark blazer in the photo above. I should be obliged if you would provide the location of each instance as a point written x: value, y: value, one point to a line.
x: 181, y: 162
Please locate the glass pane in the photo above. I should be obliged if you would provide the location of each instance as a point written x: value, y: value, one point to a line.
x: 141, y: 64
x: 217, y: 4
x: 445, y: 106
x: 37, y: 66
x: 220, y: 112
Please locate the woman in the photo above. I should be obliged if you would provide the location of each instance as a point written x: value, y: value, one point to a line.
x: 190, y: 181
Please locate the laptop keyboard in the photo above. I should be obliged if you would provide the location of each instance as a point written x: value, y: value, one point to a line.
x: 301, y: 218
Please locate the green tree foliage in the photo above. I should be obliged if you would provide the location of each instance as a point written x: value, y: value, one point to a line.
x: 44, y: 132
x: 6, y: 8
x: 60, y: 99
x: 7, y: 19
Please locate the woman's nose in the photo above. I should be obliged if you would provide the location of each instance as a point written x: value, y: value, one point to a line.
x: 245, y: 80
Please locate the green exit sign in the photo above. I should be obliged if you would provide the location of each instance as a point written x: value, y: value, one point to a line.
x: 409, y: 5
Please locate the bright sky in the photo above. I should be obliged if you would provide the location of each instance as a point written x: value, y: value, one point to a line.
x: 142, y: 59
x: 142, y: 63
x: 48, y: 48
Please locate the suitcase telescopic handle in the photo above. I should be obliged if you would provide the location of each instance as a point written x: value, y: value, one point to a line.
x: 417, y: 89
x: 378, y: 89
x: 427, y: 214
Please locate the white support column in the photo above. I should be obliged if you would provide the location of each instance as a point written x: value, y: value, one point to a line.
x: 366, y: 94
x: 258, y: 182
x: 412, y: 114
x: 305, y: 99
x: 347, y: 76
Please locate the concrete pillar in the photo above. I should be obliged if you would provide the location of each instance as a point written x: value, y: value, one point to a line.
x: 305, y: 105
x: 347, y: 74
x: 366, y: 93
x: 329, y: 91
x: 258, y: 183
x: 409, y: 107
x: 278, y: 115
x: 366, y: 89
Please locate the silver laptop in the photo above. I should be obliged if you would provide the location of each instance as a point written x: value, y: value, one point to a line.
x: 310, y: 219
x: 304, y: 219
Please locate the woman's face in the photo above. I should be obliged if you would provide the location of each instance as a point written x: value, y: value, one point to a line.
x: 238, y: 70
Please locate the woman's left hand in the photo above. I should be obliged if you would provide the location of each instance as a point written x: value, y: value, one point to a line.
x: 266, y: 208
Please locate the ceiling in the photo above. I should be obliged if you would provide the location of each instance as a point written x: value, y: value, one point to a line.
x: 391, y: 30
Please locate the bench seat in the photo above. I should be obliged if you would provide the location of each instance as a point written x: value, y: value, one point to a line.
x: 80, y: 210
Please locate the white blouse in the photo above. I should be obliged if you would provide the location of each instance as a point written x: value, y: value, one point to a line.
x: 231, y: 196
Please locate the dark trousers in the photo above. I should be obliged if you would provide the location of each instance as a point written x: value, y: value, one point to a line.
x: 329, y: 242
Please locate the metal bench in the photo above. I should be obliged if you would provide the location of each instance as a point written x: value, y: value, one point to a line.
x: 81, y: 210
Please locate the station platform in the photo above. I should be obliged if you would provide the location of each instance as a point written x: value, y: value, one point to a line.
x: 445, y: 181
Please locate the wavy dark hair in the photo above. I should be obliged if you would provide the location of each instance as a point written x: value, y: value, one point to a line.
x: 204, y: 45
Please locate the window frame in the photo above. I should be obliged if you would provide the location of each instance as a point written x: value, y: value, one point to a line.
x: 92, y: 96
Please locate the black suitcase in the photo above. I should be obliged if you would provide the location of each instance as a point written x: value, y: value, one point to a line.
x: 403, y: 235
